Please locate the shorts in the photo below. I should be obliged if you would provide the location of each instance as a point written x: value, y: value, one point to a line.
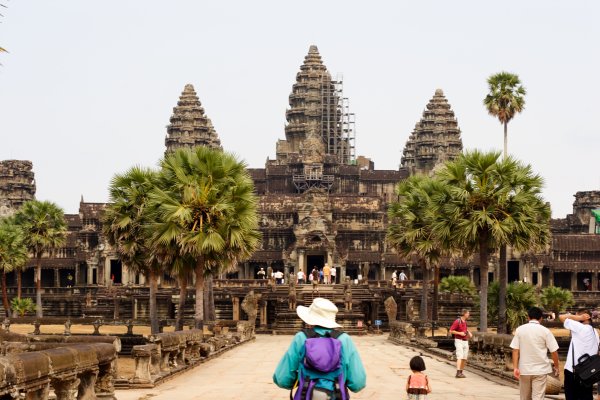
x: 462, y: 349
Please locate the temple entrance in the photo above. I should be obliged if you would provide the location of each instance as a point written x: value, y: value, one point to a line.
x: 47, y: 277
x: 584, y: 281
x: 352, y: 271
x: 116, y: 271
x: 66, y: 277
x: 27, y: 277
x: 562, y: 280
x: 513, y: 271
x: 313, y: 261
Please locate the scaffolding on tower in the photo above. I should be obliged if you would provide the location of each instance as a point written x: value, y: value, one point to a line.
x: 337, y: 122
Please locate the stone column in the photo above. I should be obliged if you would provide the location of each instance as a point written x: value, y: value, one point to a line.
x: 86, y: 387
x: 573, y: 281
x: 382, y: 272
x: 65, y: 389
x: 247, y: 271
x: 410, y: 274
x: 236, y: 308
x: 76, y: 276
x: 135, y: 309
x: 56, y: 277
x: 342, y: 272
x: 594, y: 280
x: 263, y: 314
x: 125, y: 274
x: 551, y: 276
x: 301, y: 261
x: 472, y: 274
x: 330, y: 258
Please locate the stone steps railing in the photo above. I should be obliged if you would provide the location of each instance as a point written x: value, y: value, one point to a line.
x: 83, y: 371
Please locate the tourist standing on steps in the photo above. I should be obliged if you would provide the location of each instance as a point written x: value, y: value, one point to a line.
x: 315, y: 279
x: 326, y: 274
x: 584, y: 340
x: 261, y: 273
x: 301, y: 280
x: 461, y: 335
x: 531, y: 345
x: 295, y: 366
x: 333, y: 275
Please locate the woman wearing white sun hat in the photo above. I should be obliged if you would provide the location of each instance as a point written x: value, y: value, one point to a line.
x: 320, y: 318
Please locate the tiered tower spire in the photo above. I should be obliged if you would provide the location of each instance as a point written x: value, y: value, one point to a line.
x: 435, y: 139
x: 189, y: 125
x: 317, y: 108
x: 17, y: 185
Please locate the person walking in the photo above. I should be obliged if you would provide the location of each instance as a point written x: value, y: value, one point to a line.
x: 301, y: 367
x: 461, y: 334
x: 584, y: 340
x: 333, y: 274
x: 315, y: 280
x: 326, y: 274
x: 417, y: 385
x: 531, y: 366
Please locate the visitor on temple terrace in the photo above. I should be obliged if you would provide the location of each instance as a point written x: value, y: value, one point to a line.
x: 531, y: 366
x: 461, y: 334
x: 584, y: 341
x: 322, y: 362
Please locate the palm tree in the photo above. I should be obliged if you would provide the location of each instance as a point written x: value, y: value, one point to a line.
x: 556, y: 299
x: 411, y: 228
x: 492, y: 202
x: 504, y: 101
x: 520, y: 298
x: 205, y: 202
x: 13, y: 253
x: 125, y: 223
x: 45, y: 229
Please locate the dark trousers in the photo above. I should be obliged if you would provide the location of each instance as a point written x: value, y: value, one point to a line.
x: 575, y: 390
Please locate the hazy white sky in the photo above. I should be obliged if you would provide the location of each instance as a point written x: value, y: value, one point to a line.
x: 88, y: 87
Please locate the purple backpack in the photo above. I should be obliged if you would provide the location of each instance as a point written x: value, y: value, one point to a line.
x: 323, y: 355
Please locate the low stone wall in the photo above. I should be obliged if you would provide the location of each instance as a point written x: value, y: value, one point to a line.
x: 83, y: 371
x: 167, y: 354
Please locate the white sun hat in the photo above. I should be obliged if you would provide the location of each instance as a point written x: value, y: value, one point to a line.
x: 320, y: 313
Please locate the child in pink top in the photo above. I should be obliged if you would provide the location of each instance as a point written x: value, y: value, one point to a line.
x: 417, y: 385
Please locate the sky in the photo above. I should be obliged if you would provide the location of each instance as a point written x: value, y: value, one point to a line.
x: 87, y: 88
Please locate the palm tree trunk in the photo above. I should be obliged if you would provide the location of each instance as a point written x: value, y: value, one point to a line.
x: 502, y: 278
x: 19, y: 283
x: 424, y: 294
x: 483, y: 277
x: 154, y: 328
x: 38, y: 287
x: 199, y: 307
x: 182, y: 296
x: 436, y: 283
x: 505, y: 139
x: 209, y: 300
x: 5, y: 295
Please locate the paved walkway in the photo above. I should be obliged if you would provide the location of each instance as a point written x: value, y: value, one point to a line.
x: 245, y: 373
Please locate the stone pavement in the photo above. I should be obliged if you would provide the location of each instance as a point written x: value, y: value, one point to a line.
x: 245, y: 373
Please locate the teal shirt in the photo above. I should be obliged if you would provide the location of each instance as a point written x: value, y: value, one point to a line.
x: 286, y: 373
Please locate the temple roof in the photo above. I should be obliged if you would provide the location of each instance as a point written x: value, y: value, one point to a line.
x: 435, y: 139
x: 189, y: 126
x: 584, y: 242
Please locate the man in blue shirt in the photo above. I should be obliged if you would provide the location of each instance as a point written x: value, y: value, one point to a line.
x: 321, y: 317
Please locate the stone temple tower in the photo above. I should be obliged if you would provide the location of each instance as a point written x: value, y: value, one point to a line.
x: 17, y: 185
x: 435, y: 139
x: 317, y: 108
x: 189, y: 126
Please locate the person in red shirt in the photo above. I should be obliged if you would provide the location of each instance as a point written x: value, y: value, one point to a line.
x: 461, y: 341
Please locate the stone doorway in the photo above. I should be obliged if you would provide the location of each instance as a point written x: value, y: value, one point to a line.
x: 513, y: 271
x: 116, y: 271
x: 315, y: 260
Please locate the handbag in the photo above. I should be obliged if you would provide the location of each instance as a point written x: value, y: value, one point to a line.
x: 587, y: 369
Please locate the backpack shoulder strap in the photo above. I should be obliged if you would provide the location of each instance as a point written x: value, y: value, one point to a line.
x: 310, y: 333
x: 336, y: 334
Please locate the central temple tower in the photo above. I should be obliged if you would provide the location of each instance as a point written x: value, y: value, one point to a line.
x: 318, y: 109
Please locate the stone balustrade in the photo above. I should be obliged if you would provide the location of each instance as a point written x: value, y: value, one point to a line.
x: 491, y: 351
x: 169, y: 353
x: 82, y: 371
x: 401, y: 332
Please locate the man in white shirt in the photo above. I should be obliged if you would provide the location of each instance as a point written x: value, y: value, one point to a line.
x: 584, y: 340
x: 531, y: 345
x: 301, y: 280
x: 333, y: 274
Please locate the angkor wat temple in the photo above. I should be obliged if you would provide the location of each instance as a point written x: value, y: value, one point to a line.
x: 319, y: 202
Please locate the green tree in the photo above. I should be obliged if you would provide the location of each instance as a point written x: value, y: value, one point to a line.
x: 205, y: 202
x: 458, y: 285
x: 492, y: 202
x: 504, y: 101
x: 556, y: 299
x: 520, y: 297
x: 125, y: 224
x: 13, y: 253
x: 410, y: 230
x: 45, y: 229
x: 22, y: 306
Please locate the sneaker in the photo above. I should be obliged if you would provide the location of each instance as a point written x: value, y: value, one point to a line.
x: 460, y: 375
